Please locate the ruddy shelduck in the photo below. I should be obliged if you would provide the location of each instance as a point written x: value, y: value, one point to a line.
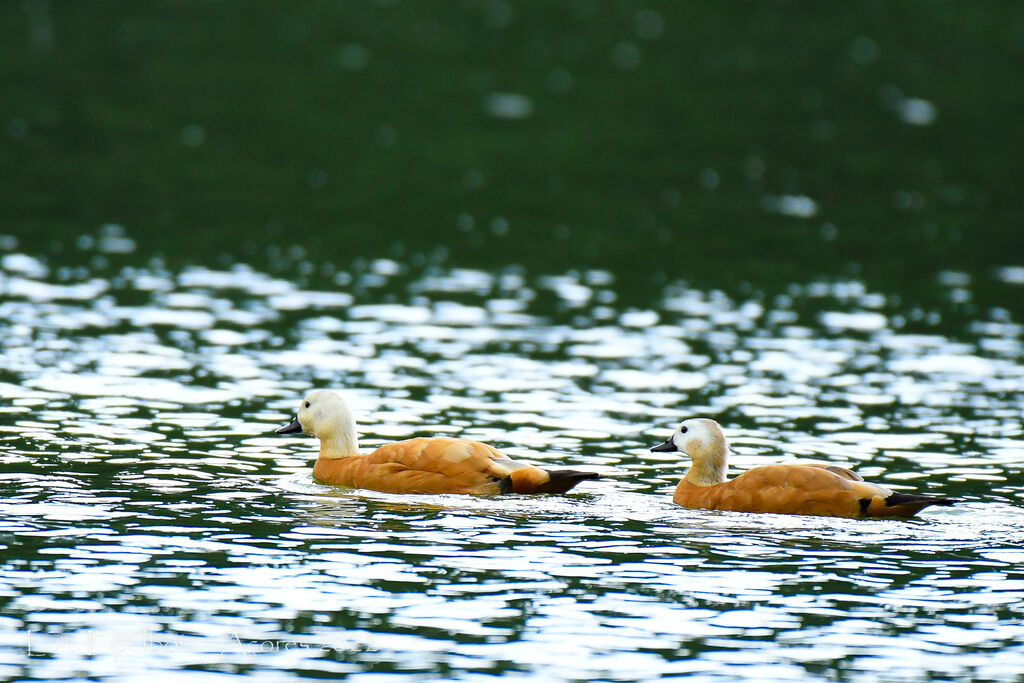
x: 797, y: 489
x: 422, y: 465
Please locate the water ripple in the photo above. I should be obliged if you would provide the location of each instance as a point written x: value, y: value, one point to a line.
x: 151, y: 522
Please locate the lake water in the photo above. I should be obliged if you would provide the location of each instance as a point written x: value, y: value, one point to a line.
x: 151, y: 522
x: 557, y: 227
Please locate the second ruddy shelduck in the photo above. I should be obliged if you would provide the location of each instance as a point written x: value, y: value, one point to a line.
x: 422, y: 465
x: 797, y: 489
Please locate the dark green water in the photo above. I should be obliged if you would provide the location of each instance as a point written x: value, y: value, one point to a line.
x: 556, y: 227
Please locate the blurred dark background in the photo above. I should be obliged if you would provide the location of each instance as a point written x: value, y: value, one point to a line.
x: 744, y: 143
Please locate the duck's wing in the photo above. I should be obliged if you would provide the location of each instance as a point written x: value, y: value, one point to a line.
x: 878, y: 501
x: 835, y: 469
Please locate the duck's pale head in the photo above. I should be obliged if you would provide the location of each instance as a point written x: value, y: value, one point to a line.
x: 702, y: 439
x: 693, y: 435
x: 325, y: 415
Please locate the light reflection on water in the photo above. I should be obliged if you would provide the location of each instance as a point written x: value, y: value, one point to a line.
x: 151, y: 522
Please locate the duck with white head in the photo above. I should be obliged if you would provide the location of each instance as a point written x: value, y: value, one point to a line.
x: 811, y: 488
x: 421, y: 465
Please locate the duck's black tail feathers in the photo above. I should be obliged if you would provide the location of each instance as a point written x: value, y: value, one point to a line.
x: 563, y: 480
x: 908, y: 504
x: 536, y: 480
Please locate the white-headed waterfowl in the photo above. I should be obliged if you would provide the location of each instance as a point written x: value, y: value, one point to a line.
x: 797, y: 489
x: 422, y: 465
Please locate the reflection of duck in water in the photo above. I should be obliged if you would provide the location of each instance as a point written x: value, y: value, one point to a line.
x: 800, y: 489
x: 438, y: 465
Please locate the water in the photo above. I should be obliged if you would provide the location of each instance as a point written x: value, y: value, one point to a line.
x: 557, y: 227
x: 152, y: 523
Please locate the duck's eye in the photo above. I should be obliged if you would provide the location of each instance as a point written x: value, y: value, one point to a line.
x: 682, y: 430
x: 307, y: 404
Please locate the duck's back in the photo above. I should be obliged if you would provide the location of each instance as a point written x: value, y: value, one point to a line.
x: 785, y: 489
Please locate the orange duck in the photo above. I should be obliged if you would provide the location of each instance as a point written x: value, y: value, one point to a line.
x: 799, y: 489
x: 437, y: 465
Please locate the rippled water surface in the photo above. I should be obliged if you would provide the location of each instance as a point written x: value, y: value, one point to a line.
x: 151, y: 522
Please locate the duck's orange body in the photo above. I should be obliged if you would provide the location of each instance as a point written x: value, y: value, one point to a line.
x: 442, y: 465
x: 437, y: 465
x: 800, y: 489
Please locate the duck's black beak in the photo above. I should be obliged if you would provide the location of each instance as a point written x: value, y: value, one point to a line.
x: 292, y: 427
x: 666, y: 447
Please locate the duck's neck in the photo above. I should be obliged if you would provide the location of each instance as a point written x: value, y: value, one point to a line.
x: 708, y: 467
x: 341, y: 446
